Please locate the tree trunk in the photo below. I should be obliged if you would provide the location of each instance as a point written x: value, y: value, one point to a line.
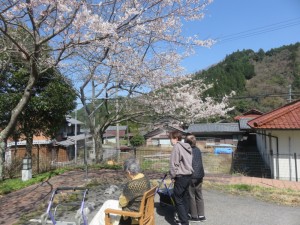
x: 29, y: 143
x: 2, y: 152
x: 7, y: 131
x: 98, y: 147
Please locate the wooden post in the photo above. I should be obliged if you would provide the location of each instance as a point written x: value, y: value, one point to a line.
x: 296, y: 168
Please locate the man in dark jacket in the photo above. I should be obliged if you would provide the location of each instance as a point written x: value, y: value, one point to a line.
x: 181, y: 171
x: 195, y: 188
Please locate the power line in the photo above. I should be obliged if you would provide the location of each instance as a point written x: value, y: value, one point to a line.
x: 283, y: 95
x: 262, y: 96
x: 259, y: 30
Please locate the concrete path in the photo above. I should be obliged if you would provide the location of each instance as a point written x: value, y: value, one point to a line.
x: 18, y: 203
x: 227, y: 209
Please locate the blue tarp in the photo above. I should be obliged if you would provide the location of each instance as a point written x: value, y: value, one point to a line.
x: 223, y: 150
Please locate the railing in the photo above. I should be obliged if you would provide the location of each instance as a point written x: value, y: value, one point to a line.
x: 281, y: 166
x: 286, y: 166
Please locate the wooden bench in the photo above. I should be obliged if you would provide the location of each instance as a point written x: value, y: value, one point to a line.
x: 145, y: 215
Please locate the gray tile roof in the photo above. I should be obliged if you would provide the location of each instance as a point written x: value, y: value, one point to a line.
x: 65, y: 143
x: 213, y: 127
x: 73, y: 121
x: 71, y: 139
x: 115, y: 128
x: 153, y: 133
x: 243, y: 123
x: 79, y: 137
x: 162, y: 129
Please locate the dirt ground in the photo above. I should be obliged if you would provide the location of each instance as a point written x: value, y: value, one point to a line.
x: 221, y: 208
x: 97, y: 195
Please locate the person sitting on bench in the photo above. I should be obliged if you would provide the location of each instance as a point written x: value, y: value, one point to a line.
x: 131, y: 196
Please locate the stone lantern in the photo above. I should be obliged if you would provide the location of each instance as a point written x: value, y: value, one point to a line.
x: 26, y: 168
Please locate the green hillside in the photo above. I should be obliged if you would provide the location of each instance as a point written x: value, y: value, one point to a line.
x: 261, y: 80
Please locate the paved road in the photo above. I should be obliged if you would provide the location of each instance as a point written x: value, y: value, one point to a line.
x: 227, y: 209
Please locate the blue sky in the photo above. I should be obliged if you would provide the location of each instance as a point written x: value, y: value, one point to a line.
x: 243, y: 24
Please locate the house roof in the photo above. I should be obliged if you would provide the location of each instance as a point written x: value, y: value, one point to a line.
x: 214, y: 128
x: 153, y: 132
x: 23, y: 142
x: 41, y: 139
x: 113, y: 133
x: 253, y: 113
x: 162, y: 129
x: 79, y: 137
x: 285, y: 117
x: 115, y: 128
x: 243, y: 122
x: 73, y: 121
x: 250, y: 116
x: 65, y: 143
x: 71, y: 140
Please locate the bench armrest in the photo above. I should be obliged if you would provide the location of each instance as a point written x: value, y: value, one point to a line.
x: 123, y: 213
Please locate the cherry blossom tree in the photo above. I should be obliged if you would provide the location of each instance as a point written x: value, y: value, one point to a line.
x: 43, y: 23
x: 185, y: 101
x: 129, y: 47
x: 143, y: 53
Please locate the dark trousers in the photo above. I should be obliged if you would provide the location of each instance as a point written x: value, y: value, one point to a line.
x: 126, y: 221
x: 196, y: 198
x: 181, y: 197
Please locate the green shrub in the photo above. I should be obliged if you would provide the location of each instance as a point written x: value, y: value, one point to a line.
x: 137, y: 140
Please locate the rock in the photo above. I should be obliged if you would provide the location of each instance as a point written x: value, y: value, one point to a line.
x: 112, y: 189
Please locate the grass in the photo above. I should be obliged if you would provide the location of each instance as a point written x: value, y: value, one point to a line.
x: 26, y: 217
x: 217, y: 163
x: 278, y: 196
x: 158, y: 165
x: 10, y: 185
x: 15, y: 184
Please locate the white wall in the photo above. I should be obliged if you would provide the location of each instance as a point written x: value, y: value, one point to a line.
x: 288, y: 145
x: 165, y: 142
x: 110, y: 140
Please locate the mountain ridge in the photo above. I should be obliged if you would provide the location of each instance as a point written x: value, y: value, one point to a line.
x: 262, y: 80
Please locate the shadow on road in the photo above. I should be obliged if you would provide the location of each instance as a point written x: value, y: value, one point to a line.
x: 165, y: 214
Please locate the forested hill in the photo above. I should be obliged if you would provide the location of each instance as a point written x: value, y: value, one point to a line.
x: 261, y: 79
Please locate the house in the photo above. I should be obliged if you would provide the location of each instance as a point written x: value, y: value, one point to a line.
x: 246, y: 117
x: 277, y: 136
x: 160, y: 135
x: 16, y: 149
x: 69, y: 140
x: 253, y: 113
x: 211, y: 134
x: 47, y: 150
x: 111, y: 132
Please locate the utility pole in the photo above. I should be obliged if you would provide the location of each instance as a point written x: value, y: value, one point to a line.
x: 290, y: 93
x: 127, y: 131
x: 85, y: 146
x: 117, y: 130
x: 75, y: 144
